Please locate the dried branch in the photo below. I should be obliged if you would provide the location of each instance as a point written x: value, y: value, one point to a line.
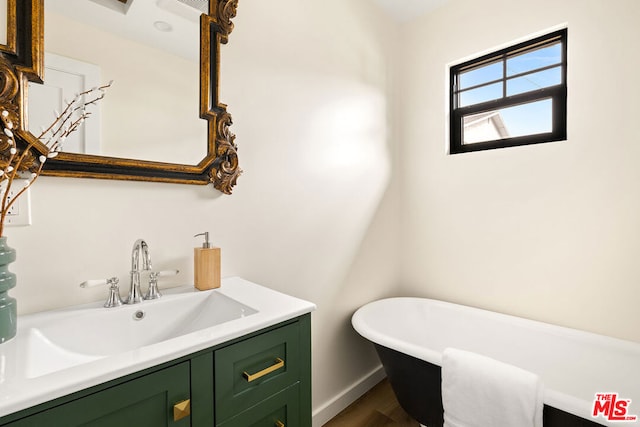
x: 15, y: 161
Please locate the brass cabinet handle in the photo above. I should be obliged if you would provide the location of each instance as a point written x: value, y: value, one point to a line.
x: 279, y: 423
x: 181, y: 410
x: 252, y: 377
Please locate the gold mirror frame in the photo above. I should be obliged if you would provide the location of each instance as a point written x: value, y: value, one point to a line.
x: 22, y: 61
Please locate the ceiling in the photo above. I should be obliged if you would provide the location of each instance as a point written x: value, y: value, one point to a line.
x: 406, y: 10
x: 169, y: 25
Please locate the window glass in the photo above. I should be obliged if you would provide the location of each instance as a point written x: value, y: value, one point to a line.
x: 480, y: 75
x: 534, y: 81
x: 481, y: 94
x: 533, y: 60
x: 526, y: 119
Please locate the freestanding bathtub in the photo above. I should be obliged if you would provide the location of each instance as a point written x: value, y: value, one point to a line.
x: 410, y: 335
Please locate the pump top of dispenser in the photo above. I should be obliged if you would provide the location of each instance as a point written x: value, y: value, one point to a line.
x: 206, y: 243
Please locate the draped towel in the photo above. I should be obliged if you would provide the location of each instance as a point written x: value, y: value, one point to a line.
x: 478, y: 391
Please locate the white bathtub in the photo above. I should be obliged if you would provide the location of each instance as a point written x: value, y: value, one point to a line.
x: 573, y: 365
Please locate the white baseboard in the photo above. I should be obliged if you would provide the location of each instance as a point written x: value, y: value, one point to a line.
x: 336, y: 405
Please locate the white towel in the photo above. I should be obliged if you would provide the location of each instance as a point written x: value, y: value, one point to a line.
x: 478, y: 391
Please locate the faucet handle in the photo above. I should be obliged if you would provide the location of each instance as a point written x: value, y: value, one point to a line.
x: 164, y: 273
x: 94, y: 282
x: 153, y: 292
x: 114, y: 299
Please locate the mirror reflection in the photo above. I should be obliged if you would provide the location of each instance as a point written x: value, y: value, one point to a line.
x: 150, y: 49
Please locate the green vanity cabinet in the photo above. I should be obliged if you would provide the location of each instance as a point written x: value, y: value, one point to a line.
x: 143, y: 402
x: 260, y: 380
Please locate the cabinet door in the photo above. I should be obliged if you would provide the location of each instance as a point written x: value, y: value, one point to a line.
x: 143, y: 402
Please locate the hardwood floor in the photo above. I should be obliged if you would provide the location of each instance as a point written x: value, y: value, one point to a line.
x: 377, y: 408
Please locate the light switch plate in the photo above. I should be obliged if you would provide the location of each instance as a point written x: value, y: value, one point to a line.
x: 20, y: 211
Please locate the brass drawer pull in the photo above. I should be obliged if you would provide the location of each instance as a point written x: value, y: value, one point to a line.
x: 279, y: 423
x: 252, y: 377
x: 181, y: 410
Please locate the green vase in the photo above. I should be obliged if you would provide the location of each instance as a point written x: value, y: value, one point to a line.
x: 8, y: 312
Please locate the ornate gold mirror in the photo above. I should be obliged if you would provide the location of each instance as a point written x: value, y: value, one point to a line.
x: 205, y: 149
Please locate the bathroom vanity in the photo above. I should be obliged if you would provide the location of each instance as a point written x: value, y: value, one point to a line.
x: 249, y: 369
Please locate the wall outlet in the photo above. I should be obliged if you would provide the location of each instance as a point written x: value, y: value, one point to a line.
x: 20, y: 211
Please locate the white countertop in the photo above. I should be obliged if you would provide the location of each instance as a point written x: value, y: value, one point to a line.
x: 18, y: 392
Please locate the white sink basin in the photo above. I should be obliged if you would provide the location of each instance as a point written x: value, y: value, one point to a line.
x: 71, y: 337
x: 59, y: 352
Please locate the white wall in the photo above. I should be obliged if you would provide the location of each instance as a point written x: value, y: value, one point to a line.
x: 550, y: 231
x: 314, y: 214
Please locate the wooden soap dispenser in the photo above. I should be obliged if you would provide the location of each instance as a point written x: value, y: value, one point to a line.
x: 206, y: 265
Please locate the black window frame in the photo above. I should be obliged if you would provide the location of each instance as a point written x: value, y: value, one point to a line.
x: 557, y: 94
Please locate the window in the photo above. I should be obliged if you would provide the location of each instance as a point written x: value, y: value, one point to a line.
x: 515, y: 96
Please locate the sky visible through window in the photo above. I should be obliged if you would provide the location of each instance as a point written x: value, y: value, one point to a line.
x: 525, y: 119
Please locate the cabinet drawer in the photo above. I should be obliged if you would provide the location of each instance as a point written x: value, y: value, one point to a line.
x: 255, y: 369
x: 281, y: 410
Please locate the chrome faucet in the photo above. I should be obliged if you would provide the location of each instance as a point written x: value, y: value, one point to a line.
x: 139, y: 247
